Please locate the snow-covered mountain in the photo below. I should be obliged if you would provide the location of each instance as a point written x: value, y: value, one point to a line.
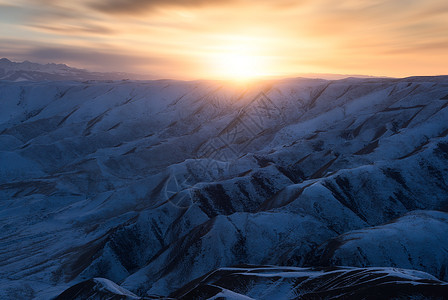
x: 29, y: 71
x: 273, y: 282
x: 407, y: 242
x: 150, y: 185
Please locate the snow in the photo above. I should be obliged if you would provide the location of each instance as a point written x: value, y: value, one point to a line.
x: 126, y: 178
x: 107, y: 285
x: 229, y: 295
x: 269, y: 282
x: 412, y: 241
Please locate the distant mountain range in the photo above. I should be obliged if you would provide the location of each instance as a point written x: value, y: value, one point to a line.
x: 29, y: 71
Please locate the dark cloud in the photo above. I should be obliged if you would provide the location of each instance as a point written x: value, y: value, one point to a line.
x: 142, y: 6
x: 39, y: 10
x: 68, y: 29
x: 93, y: 57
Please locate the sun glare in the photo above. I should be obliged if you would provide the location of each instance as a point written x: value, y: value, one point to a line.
x: 238, y: 65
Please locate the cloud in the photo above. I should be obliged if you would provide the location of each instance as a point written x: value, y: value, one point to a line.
x: 82, y: 29
x: 183, y: 37
x: 93, y: 59
x: 141, y: 6
x: 432, y: 47
x: 144, y: 6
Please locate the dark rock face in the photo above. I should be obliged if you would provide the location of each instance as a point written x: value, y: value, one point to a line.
x: 153, y: 184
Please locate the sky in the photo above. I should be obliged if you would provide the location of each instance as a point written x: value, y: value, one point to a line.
x: 200, y: 39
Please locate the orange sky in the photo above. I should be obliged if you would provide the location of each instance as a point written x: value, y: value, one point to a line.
x: 220, y: 39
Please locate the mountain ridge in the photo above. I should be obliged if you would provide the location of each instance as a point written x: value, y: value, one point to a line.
x: 153, y: 184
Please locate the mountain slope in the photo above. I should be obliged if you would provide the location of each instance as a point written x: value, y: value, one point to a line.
x: 153, y: 184
x: 270, y: 282
x: 417, y: 241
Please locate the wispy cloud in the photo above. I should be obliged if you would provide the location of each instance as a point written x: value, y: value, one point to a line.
x: 181, y: 37
x: 73, y: 29
x: 142, y: 6
x: 90, y: 58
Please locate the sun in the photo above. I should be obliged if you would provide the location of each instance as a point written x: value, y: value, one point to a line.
x: 237, y: 65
